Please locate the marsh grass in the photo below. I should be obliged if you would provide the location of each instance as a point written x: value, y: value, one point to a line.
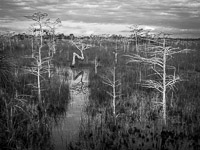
x: 24, y: 123
x: 139, y: 124
x: 57, y: 93
x: 101, y: 132
x: 27, y: 125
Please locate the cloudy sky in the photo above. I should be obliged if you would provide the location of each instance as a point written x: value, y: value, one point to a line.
x: 84, y: 17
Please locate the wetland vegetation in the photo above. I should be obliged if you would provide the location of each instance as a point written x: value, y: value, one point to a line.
x: 98, y: 92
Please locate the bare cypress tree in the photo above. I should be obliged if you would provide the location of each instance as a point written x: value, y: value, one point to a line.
x: 32, y: 37
x: 96, y: 64
x: 157, y: 57
x: 81, y: 47
x: 52, y: 25
x: 114, y: 84
x: 137, y: 32
x: 39, y: 64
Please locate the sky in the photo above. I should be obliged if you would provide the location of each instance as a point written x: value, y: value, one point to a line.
x: 181, y: 18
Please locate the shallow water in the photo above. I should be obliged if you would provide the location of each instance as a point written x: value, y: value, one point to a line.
x: 67, y: 128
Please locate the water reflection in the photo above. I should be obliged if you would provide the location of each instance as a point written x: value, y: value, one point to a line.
x: 66, y: 129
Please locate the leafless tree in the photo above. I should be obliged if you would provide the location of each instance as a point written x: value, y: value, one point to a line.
x: 157, y: 58
x: 39, y: 64
x: 81, y: 47
x: 113, y: 83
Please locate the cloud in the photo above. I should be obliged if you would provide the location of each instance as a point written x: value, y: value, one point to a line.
x: 28, y: 8
x: 17, y: 26
x: 7, y: 19
x: 90, y: 32
x: 93, y: 28
x: 90, y: 6
x: 51, y: 8
x: 173, y: 15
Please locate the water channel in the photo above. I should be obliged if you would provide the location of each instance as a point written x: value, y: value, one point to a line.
x: 67, y: 128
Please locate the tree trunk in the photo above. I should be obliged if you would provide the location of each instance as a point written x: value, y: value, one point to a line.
x: 95, y: 65
x: 164, y: 86
x: 114, y: 92
x: 39, y: 66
